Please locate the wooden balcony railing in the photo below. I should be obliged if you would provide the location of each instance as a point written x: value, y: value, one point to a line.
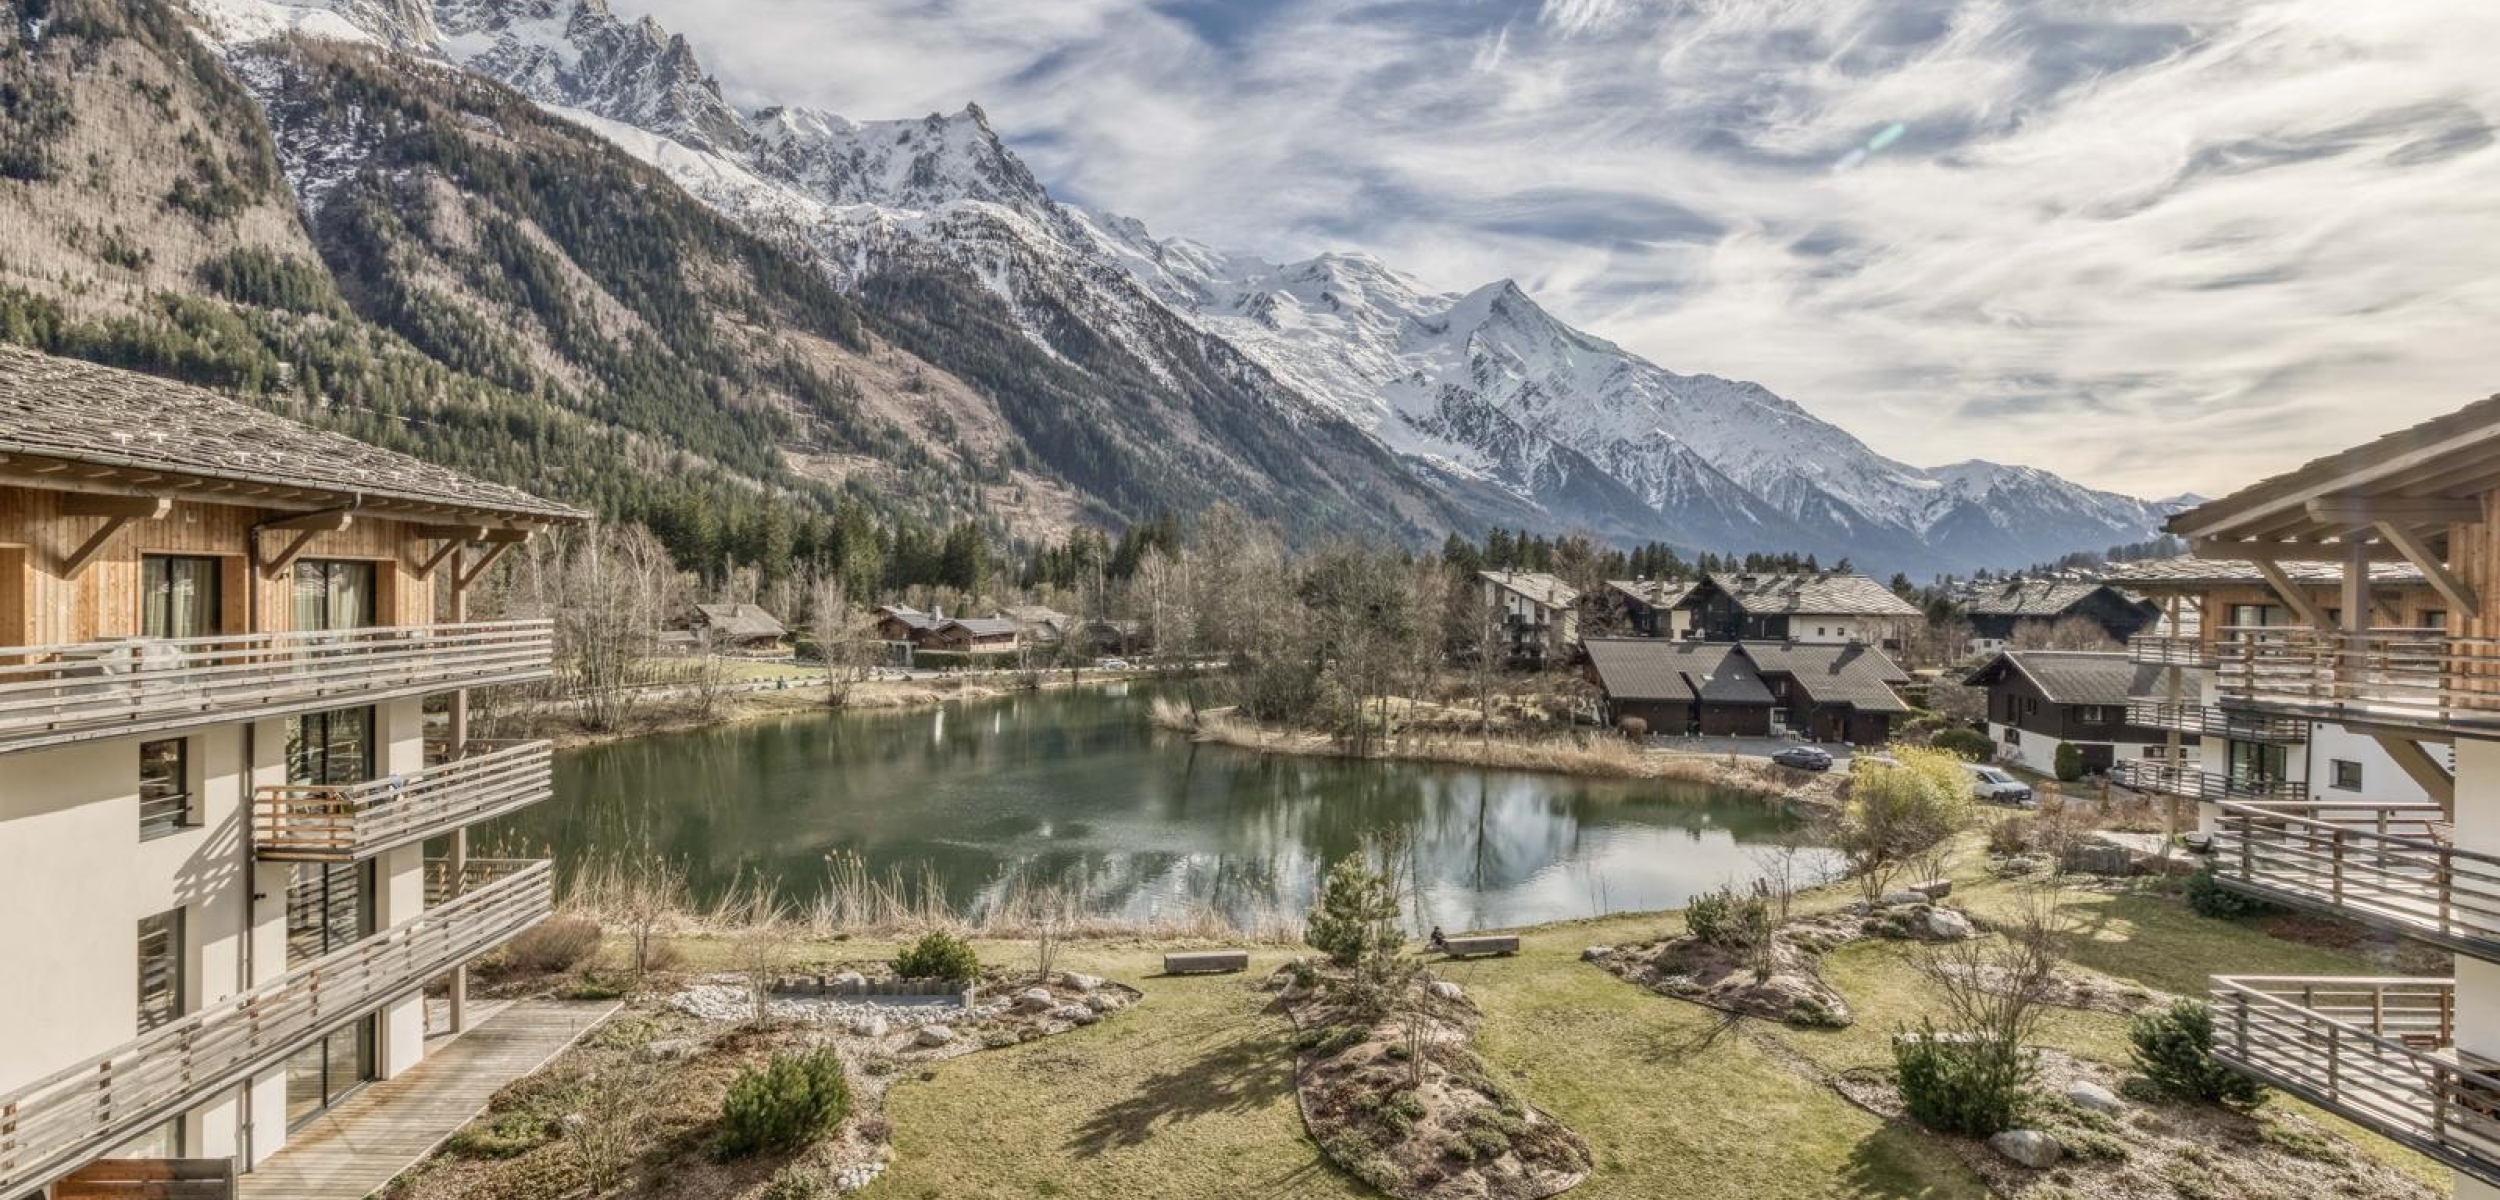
x: 344, y: 824
x: 2379, y: 1051
x: 52, y: 695
x: 2409, y: 677
x: 2205, y: 720
x: 2385, y: 865
x: 50, y: 1126
x: 2171, y: 780
x: 2169, y: 650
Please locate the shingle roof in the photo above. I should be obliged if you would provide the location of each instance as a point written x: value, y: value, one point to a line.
x: 1656, y: 593
x: 1535, y: 585
x: 60, y: 408
x: 740, y: 620
x: 2075, y: 676
x: 1654, y: 669
x: 2457, y: 454
x: 1832, y: 593
x: 1858, y: 676
x: 1032, y: 615
x: 2032, y: 598
x: 2190, y: 571
x: 983, y: 626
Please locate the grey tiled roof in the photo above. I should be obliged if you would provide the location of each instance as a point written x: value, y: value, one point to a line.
x: 77, y: 411
x: 740, y: 620
x: 1656, y: 669
x: 1656, y: 593
x: 1535, y: 585
x: 2190, y: 571
x: 983, y: 626
x: 1831, y: 593
x: 1859, y: 676
x: 2076, y: 676
x: 2032, y: 598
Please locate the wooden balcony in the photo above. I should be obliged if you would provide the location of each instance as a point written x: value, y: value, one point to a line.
x: 356, y: 821
x: 2168, y: 779
x: 2390, y: 866
x: 2412, y: 678
x: 2186, y: 650
x: 51, y: 1126
x: 2379, y: 1051
x: 2205, y: 720
x: 55, y: 695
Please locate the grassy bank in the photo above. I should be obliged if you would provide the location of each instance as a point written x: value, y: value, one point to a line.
x: 805, y: 692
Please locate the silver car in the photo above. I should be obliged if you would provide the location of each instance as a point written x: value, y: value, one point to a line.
x: 1997, y: 787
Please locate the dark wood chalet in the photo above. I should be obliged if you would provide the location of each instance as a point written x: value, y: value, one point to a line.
x: 2012, y: 608
x: 2041, y: 699
x: 1834, y: 607
x: 1676, y: 688
x: 1831, y: 693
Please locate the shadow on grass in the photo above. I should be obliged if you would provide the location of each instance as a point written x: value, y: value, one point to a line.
x: 1670, y: 1046
x: 1246, y: 1069
x: 1898, y: 1160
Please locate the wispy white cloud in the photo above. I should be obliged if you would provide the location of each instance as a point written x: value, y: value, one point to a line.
x: 2154, y: 244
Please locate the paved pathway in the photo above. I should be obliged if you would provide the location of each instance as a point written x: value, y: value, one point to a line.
x: 356, y: 1147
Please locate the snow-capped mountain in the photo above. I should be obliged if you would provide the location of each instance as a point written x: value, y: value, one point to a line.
x: 1483, y: 393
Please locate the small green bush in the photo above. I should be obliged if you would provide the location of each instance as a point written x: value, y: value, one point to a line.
x: 2209, y: 898
x: 1356, y: 918
x: 938, y: 955
x: 798, y: 1181
x: 509, y: 1135
x: 788, y: 1102
x: 1966, y: 1084
x: 2068, y: 762
x: 1726, y: 918
x: 2175, y: 1049
x: 2302, y: 1140
x: 1969, y: 743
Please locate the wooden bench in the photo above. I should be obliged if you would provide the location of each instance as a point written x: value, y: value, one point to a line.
x: 150, y: 1179
x: 1481, y: 945
x: 1206, y: 962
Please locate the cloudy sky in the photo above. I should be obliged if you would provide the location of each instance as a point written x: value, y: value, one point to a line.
x: 2157, y: 245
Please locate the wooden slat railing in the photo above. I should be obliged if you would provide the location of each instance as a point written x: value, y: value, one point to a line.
x: 50, y: 1126
x: 2169, y: 650
x: 2379, y: 1051
x: 2172, y: 780
x: 2205, y: 720
x: 2387, y: 676
x: 51, y: 695
x: 2388, y: 865
x: 343, y: 824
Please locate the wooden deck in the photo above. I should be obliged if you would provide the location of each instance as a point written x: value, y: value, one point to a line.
x: 355, y: 1148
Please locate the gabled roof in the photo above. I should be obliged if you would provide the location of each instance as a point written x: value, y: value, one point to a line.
x: 1825, y: 593
x: 2074, y: 676
x: 1859, y: 676
x: 1656, y: 593
x: 1656, y: 669
x: 1032, y: 616
x: 740, y: 620
x: 2452, y: 456
x: 2189, y: 571
x: 2038, y: 598
x: 1536, y: 586
x: 911, y: 618
x: 981, y: 626
x: 189, y: 440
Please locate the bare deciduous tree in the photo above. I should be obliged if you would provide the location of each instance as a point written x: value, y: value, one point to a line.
x: 844, y: 640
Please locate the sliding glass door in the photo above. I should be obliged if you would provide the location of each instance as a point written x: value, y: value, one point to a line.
x: 329, y: 907
x: 331, y: 748
x: 179, y: 596
x: 333, y: 594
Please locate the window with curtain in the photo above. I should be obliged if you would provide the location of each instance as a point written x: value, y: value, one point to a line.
x: 178, y: 596
x: 333, y: 594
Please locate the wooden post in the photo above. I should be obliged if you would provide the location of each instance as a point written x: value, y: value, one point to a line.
x: 459, y: 857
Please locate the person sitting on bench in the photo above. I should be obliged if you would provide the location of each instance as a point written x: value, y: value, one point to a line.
x: 1439, y: 942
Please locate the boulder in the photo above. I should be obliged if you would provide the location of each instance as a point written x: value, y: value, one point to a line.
x: 868, y: 1025
x: 2092, y: 1097
x: 933, y: 1035
x: 1100, y: 1003
x: 2030, y: 1147
x: 1035, y: 998
x: 2020, y: 864
x: 1933, y: 889
x: 1443, y: 989
x: 1597, y: 954
x: 1897, y: 899
x: 848, y: 981
x: 1071, y: 1012
x: 1082, y: 983
x: 1946, y: 925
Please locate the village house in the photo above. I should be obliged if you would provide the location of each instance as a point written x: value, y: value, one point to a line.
x: 220, y: 631
x: 1650, y: 607
x: 737, y: 628
x: 979, y: 636
x: 1540, y: 614
x: 2411, y: 669
x: 2027, y: 610
x: 1824, y: 607
x: 2039, y: 700
x: 1844, y: 693
x: 1039, y: 624
x: 1120, y: 638
x: 901, y: 623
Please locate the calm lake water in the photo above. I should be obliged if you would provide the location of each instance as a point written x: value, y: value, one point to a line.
x: 1075, y: 787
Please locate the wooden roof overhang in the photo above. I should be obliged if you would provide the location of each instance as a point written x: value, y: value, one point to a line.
x: 100, y: 477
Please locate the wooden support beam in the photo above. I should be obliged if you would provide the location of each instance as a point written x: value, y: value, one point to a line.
x: 143, y: 508
x: 2293, y: 595
x: 463, y: 578
x: 452, y: 533
x: 78, y: 559
x: 2404, y: 510
x: 328, y: 520
x: 2419, y: 766
x: 2286, y: 551
x: 2460, y: 594
x: 451, y: 546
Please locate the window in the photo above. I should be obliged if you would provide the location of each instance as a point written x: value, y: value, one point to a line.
x: 178, y: 597
x: 2157, y: 750
x: 160, y: 969
x: 2434, y: 618
x: 325, y: 909
x: 164, y: 788
x: 330, y: 748
x: 2013, y: 736
x: 333, y: 595
x: 2091, y: 714
x: 2253, y: 614
x: 2346, y: 774
x: 2255, y: 762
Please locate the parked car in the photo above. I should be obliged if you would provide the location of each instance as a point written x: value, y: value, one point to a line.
x: 1112, y: 664
x: 1997, y: 787
x: 1804, y: 758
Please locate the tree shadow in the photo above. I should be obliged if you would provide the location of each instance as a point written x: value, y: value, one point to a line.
x: 1900, y: 1161
x: 1235, y: 1071
x: 1674, y: 1045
